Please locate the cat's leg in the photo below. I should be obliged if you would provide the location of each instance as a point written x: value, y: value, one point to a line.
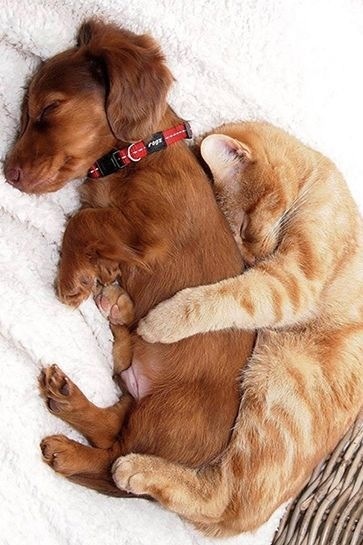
x: 294, y: 409
x: 278, y: 292
x: 100, y: 426
x: 197, y: 495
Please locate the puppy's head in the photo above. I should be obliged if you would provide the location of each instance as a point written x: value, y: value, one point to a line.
x: 112, y: 87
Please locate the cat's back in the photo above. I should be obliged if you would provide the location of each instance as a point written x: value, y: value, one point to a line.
x: 343, y: 301
x: 335, y: 227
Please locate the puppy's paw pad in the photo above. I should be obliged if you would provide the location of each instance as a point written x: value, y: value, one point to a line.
x: 57, y: 453
x: 53, y: 380
x: 116, y: 305
x: 57, y: 389
x: 122, y: 313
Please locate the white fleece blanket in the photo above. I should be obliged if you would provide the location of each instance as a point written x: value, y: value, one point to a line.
x: 295, y: 63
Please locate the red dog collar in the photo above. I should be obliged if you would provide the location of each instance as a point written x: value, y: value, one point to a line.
x: 117, y: 159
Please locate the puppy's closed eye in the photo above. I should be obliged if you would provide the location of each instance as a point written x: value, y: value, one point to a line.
x: 47, y: 109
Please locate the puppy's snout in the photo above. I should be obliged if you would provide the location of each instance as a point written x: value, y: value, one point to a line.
x: 14, y: 175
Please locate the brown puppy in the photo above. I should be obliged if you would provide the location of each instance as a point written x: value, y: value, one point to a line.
x: 156, y: 227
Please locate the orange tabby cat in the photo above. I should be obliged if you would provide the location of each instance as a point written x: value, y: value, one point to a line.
x: 299, y: 228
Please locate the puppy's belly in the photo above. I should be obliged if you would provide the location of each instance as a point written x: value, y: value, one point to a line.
x: 136, y: 382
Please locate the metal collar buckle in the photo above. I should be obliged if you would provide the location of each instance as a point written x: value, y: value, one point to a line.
x: 130, y: 156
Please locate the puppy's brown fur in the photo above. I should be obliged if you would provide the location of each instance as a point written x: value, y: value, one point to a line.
x: 156, y: 227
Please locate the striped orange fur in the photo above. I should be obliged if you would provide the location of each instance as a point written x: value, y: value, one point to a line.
x: 296, y: 223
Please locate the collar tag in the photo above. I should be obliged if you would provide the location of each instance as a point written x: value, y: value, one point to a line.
x: 156, y: 143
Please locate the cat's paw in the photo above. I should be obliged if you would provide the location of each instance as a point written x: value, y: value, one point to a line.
x: 139, y: 474
x: 172, y: 320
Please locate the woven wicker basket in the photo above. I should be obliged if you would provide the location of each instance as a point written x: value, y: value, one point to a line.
x: 329, y: 510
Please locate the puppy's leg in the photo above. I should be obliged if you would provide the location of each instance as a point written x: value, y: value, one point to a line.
x: 116, y: 305
x: 69, y: 457
x: 95, y: 242
x: 83, y: 465
x: 65, y: 400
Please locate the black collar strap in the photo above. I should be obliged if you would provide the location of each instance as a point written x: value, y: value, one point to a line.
x: 117, y: 159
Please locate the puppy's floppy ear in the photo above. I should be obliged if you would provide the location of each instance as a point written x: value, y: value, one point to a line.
x: 138, y: 85
x: 225, y: 156
x: 137, y: 79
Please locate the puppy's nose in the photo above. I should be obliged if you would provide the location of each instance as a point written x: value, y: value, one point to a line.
x: 14, y: 175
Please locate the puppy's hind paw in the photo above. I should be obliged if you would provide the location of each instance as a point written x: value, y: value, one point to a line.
x: 61, y: 395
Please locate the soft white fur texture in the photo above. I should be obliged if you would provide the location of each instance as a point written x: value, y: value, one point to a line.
x: 296, y: 63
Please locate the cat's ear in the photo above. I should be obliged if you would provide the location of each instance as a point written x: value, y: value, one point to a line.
x: 225, y: 156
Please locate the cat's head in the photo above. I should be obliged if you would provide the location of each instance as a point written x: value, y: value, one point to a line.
x: 255, y: 182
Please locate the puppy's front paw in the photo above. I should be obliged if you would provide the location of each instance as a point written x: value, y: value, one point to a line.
x: 75, y: 286
x: 107, y: 271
